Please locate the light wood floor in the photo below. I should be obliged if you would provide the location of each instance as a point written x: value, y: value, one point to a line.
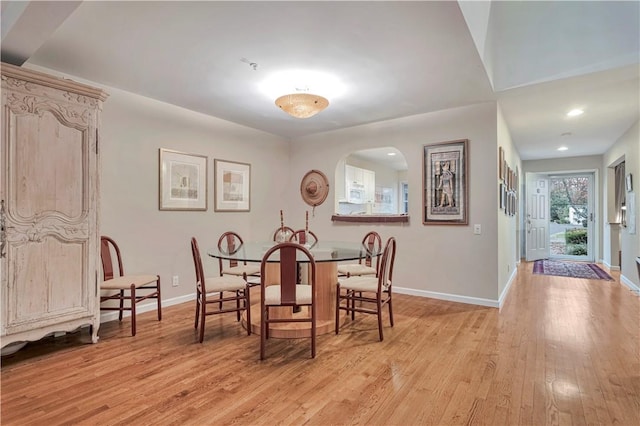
x: 561, y: 351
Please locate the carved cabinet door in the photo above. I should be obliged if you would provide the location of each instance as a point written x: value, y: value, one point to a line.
x: 49, y: 208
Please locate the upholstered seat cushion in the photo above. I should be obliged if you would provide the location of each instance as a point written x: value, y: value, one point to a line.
x: 363, y: 283
x: 356, y: 269
x: 124, y: 282
x: 242, y: 269
x: 228, y: 283
x: 272, y: 295
x: 252, y: 280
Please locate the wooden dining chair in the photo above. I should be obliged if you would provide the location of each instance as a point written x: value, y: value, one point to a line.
x: 372, y: 243
x: 131, y: 289
x: 308, y: 239
x: 208, y: 288
x: 285, y: 290
x: 303, y: 236
x: 231, y: 242
x: 369, y: 290
x: 282, y: 234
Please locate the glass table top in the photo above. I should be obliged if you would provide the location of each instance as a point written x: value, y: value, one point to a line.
x: 322, y: 251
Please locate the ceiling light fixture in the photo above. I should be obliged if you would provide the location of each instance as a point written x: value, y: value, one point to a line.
x: 563, y: 148
x: 391, y: 154
x: 306, y: 92
x: 302, y: 105
x: 575, y: 112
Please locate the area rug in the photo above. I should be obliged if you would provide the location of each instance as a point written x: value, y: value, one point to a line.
x: 570, y: 269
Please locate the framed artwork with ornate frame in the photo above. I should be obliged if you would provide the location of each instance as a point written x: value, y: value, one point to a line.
x: 183, y: 181
x: 232, y: 186
x: 445, y: 183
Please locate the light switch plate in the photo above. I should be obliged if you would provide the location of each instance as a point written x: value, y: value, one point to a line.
x: 477, y: 229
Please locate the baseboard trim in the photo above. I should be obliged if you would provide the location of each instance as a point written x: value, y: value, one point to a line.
x: 448, y: 297
x: 503, y: 295
x: 628, y: 283
x: 147, y: 307
x: 611, y: 267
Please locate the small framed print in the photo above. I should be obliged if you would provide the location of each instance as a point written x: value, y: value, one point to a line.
x: 232, y: 186
x: 183, y: 181
x: 629, y: 183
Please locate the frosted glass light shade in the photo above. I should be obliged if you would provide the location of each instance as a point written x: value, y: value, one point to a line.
x: 302, y: 105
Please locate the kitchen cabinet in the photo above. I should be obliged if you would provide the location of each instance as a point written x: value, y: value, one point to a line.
x: 359, y: 185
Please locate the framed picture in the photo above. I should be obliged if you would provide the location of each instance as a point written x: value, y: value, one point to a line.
x: 183, y: 181
x: 445, y: 183
x: 506, y: 202
x: 628, y: 183
x: 502, y: 196
x: 512, y: 203
x: 500, y: 163
x: 232, y: 186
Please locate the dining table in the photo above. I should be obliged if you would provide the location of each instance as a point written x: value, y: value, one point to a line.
x: 327, y: 255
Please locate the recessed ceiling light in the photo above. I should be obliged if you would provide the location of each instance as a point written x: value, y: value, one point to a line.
x: 391, y: 153
x: 563, y: 148
x: 574, y: 112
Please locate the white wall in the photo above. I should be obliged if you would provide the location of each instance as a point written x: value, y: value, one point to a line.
x: 133, y: 129
x: 628, y: 147
x: 437, y: 261
x: 508, y: 226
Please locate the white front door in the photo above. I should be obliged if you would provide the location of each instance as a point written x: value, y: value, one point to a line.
x: 537, y: 219
x: 571, y: 201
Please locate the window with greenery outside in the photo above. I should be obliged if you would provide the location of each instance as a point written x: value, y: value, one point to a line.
x: 568, y: 206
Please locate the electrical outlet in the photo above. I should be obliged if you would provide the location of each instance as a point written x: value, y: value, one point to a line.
x: 175, y: 281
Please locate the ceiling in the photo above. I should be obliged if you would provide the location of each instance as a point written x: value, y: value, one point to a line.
x: 393, y: 59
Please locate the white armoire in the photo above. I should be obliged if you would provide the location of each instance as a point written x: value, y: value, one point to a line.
x: 49, y: 194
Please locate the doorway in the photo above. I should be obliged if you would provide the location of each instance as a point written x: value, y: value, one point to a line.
x: 571, y: 216
x: 560, y: 216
